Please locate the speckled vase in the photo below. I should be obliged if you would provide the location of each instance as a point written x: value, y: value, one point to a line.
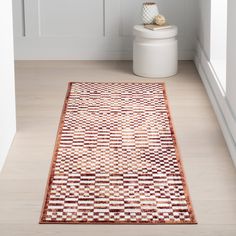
x: 150, y: 11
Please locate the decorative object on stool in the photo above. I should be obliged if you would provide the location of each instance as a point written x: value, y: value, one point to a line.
x: 160, y: 20
x: 116, y: 160
x: 150, y: 11
x: 156, y: 27
x: 155, y: 52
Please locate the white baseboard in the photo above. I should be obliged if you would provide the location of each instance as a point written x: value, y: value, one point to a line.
x: 91, y: 55
x: 28, y: 49
x: 218, y: 99
x: 6, y: 147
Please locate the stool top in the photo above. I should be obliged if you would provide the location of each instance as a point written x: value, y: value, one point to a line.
x: 142, y: 32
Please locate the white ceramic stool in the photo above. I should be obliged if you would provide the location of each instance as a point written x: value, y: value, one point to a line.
x: 155, y: 52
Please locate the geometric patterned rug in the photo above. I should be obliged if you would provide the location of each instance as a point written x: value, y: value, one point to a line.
x: 116, y: 159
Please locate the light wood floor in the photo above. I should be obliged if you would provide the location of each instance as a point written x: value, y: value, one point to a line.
x: 41, y: 88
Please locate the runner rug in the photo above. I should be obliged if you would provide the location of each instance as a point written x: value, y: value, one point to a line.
x: 116, y: 159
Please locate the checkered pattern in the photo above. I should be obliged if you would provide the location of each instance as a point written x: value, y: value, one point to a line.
x: 116, y: 158
x: 150, y: 11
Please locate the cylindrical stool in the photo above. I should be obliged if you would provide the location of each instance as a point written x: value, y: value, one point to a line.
x: 155, y: 52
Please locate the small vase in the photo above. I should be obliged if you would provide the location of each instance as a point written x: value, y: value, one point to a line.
x: 150, y: 11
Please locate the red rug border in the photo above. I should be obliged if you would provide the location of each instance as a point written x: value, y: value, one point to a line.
x: 181, y: 168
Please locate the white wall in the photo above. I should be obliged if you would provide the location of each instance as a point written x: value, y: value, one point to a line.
x: 223, y: 101
x: 218, y: 29
x: 7, y: 86
x: 101, y: 29
x: 203, y: 11
x: 231, y: 72
x: 219, y: 39
x: 231, y: 57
